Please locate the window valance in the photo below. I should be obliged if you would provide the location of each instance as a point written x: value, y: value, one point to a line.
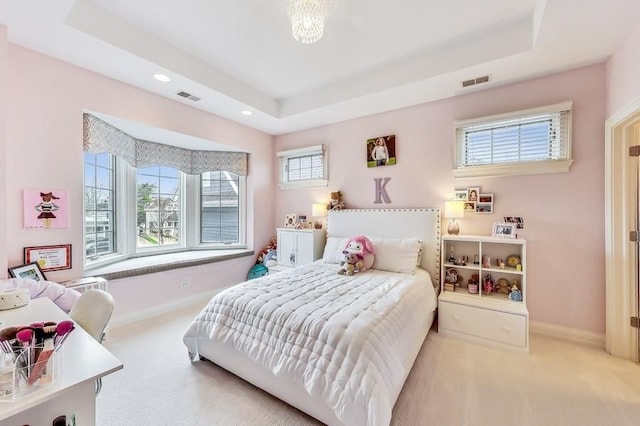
x: 100, y: 136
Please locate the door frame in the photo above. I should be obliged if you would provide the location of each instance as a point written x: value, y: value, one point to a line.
x: 622, y: 130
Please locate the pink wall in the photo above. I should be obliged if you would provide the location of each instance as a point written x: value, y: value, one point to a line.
x: 44, y: 148
x: 623, y: 73
x: 563, y: 213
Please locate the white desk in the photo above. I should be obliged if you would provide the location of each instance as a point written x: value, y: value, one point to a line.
x: 73, y: 391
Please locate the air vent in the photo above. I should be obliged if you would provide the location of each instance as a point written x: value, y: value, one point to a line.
x: 478, y: 80
x: 189, y: 96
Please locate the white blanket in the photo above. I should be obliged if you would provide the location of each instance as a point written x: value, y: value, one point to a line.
x: 341, y: 338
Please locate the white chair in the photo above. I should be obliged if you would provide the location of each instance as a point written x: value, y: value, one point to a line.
x: 92, y: 312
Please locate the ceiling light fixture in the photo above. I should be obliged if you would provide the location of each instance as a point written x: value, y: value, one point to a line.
x: 246, y: 112
x: 307, y: 18
x: 161, y: 77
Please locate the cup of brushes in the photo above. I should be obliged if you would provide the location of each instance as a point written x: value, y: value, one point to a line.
x: 28, y: 355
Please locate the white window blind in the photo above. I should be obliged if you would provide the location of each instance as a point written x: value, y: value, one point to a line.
x: 523, y: 142
x: 303, y: 167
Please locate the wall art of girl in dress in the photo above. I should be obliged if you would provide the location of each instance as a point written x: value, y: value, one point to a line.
x: 44, y: 209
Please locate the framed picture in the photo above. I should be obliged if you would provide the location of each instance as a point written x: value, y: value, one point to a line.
x: 381, y: 151
x: 290, y: 220
x: 460, y: 194
x: 31, y: 270
x: 485, y: 198
x: 469, y: 206
x: 484, y: 208
x: 45, y: 208
x: 301, y: 222
x: 472, y: 194
x: 49, y: 258
x: 518, y: 220
x: 504, y: 230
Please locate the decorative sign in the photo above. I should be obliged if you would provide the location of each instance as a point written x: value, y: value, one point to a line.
x: 381, y: 192
x: 49, y: 258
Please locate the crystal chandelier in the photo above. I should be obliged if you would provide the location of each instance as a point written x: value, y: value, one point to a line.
x: 307, y: 18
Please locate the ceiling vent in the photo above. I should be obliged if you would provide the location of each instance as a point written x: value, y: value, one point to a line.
x: 478, y: 80
x: 189, y: 96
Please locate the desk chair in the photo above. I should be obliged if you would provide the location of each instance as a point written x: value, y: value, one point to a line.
x: 92, y: 312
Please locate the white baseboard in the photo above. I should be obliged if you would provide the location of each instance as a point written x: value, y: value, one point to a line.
x: 567, y: 333
x: 162, y: 309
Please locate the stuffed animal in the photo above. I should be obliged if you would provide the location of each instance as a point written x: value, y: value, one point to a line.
x: 271, y: 246
x: 350, y: 264
x: 363, y: 246
x: 271, y: 258
x: 336, y: 202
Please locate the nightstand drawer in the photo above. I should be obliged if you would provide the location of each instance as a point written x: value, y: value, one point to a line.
x: 501, y: 327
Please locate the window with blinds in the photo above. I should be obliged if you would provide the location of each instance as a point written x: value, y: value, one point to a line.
x: 303, y: 167
x: 524, y: 142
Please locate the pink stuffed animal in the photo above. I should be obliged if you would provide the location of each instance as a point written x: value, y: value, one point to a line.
x: 363, y: 246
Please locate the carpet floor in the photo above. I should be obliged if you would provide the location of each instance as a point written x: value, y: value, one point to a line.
x: 452, y: 383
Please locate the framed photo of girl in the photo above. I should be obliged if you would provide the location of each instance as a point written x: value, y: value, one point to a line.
x: 381, y: 151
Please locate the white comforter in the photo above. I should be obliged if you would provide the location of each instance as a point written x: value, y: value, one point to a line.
x: 339, y: 337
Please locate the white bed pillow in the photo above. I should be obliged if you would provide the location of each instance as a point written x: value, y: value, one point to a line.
x: 333, y: 249
x: 396, y: 255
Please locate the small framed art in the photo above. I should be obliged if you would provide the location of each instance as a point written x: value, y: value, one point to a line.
x: 460, y: 194
x: 504, y: 230
x: 472, y: 194
x: 30, y: 270
x: 49, y: 258
x: 290, y: 220
x: 381, y: 151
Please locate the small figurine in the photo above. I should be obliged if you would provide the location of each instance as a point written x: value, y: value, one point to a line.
x: 515, y: 294
x: 519, y: 267
x: 476, y: 260
x: 452, y: 258
x: 501, y: 263
x: 486, y: 262
x: 472, y: 284
x: 487, y: 286
x: 452, y: 276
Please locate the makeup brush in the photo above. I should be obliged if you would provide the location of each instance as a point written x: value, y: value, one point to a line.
x: 63, y: 330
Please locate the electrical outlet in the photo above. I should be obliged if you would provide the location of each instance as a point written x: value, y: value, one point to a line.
x: 184, y: 284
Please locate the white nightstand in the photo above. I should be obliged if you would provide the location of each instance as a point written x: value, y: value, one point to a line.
x: 299, y: 246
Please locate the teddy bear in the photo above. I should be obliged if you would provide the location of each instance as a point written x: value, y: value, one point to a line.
x: 350, y: 264
x: 336, y: 202
x: 364, y: 247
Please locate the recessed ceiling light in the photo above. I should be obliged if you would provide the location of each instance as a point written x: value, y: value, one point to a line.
x: 246, y: 112
x: 161, y: 77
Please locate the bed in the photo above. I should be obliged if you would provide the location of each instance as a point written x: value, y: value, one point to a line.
x: 337, y: 347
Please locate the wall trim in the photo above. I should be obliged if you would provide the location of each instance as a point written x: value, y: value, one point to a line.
x: 620, y: 133
x: 574, y: 335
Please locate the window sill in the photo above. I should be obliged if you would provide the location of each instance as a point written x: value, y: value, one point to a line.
x: 312, y: 183
x: 533, y: 168
x: 164, y: 262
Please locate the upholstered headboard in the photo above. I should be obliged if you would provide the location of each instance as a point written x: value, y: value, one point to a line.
x: 422, y: 223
